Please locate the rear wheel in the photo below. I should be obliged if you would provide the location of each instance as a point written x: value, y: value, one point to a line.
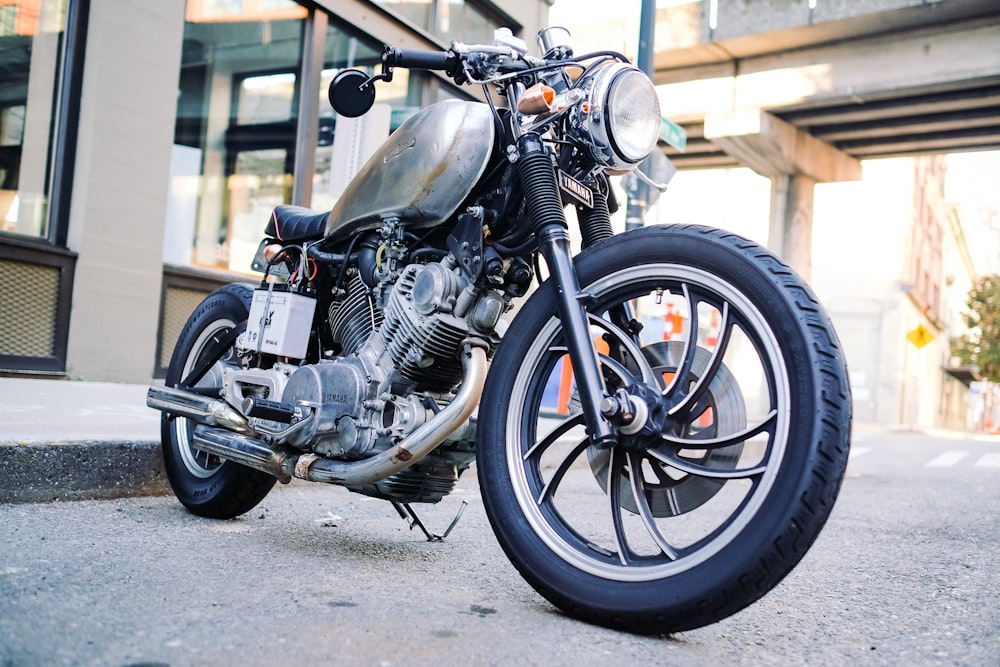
x: 679, y: 527
x: 207, y: 485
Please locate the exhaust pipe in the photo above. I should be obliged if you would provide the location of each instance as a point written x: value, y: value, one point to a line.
x: 250, y: 451
x: 413, y: 447
x: 201, y: 409
x: 241, y: 449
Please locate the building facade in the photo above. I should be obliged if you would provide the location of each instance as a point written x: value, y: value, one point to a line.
x: 892, y: 262
x: 143, y: 144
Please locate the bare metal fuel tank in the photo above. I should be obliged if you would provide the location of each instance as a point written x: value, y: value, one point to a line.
x: 422, y: 172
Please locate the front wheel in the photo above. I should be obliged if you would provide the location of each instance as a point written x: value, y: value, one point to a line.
x: 679, y: 526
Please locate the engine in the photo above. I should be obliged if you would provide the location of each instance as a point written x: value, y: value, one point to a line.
x: 428, y: 315
x: 396, y: 367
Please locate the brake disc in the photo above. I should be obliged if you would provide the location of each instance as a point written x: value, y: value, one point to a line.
x: 668, y: 491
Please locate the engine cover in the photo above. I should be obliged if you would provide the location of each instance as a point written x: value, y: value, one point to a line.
x: 338, y: 391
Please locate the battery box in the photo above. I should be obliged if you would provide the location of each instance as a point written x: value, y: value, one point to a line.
x: 279, y: 323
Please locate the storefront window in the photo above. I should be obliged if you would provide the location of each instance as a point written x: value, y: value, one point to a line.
x: 31, y: 37
x: 458, y: 17
x: 463, y: 20
x: 419, y: 12
x: 235, y: 136
x: 234, y: 153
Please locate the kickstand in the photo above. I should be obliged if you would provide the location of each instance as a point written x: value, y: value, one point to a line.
x: 410, y: 516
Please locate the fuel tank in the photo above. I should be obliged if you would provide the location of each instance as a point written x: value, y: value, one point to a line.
x: 423, y: 171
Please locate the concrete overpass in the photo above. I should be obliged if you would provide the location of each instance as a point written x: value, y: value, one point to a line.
x: 801, y: 90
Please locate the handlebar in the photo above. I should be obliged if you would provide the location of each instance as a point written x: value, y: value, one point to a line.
x: 352, y: 92
x: 445, y: 61
x: 461, y: 62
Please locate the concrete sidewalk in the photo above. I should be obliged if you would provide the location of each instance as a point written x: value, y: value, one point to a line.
x: 62, y: 440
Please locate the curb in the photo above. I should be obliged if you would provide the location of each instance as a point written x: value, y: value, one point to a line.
x: 81, y: 470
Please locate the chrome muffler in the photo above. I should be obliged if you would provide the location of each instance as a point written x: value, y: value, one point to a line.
x: 202, y: 409
x: 246, y: 450
x: 241, y: 449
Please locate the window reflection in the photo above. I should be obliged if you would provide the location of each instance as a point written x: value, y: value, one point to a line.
x: 265, y: 98
x: 456, y: 19
x: 260, y: 181
x: 234, y: 152
x: 420, y: 12
x: 234, y: 141
x: 31, y: 34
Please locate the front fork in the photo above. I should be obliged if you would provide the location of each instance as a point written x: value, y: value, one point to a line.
x: 541, y: 191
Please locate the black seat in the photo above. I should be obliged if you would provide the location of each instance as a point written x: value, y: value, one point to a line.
x: 296, y: 223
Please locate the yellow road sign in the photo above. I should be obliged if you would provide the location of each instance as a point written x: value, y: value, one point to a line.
x: 920, y: 336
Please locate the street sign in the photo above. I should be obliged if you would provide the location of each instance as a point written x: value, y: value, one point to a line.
x: 673, y: 134
x: 920, y: 336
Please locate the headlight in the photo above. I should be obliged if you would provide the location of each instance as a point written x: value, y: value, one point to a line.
x: 620, y: 120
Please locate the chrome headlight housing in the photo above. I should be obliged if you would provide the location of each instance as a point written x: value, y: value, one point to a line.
x: 620, y: 117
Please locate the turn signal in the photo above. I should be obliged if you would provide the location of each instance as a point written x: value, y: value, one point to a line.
x: 537, y: 99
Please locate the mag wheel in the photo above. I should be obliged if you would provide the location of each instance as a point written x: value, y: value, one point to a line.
x: 747, y: 408
x: 207, y: 485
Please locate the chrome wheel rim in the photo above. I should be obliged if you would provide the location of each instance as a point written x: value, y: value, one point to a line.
x: 608, y: 526
x: 201, y: 464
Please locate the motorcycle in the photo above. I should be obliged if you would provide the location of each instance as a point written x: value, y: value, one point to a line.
x: 661, y: 426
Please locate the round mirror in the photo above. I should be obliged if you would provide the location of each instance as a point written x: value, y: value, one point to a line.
x: 348, y: 97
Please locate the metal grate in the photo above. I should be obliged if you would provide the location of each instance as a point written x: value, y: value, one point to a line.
x: 28, y: 317
x: 178, y: 304
x: 184, y: 288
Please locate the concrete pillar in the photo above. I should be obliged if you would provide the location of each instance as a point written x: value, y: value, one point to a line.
x: 794, y: 161
x: 790, y: 230
x: 119, y: 199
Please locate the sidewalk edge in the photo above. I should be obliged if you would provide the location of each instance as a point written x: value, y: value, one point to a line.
x: 92, y: 469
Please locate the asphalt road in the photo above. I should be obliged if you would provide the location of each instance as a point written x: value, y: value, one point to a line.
x: 906, y: 573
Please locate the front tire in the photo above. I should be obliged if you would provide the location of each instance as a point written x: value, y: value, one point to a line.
x: 680, y: 528
x: 207, y: 485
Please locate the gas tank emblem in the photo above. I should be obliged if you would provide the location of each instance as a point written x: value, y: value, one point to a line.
x: 398, y: 150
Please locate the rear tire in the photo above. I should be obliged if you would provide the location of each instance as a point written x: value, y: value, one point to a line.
x: 680, y: 528
x: 207, y: 485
